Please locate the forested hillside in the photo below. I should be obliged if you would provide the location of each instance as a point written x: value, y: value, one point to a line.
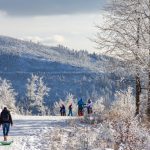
x: 63, y: 71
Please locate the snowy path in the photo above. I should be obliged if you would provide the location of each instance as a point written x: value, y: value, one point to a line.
x: 26, y: 130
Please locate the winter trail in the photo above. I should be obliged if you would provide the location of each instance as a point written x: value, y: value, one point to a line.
x: 26, y: 131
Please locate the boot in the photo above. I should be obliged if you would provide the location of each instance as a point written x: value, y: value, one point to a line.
x: 5, y: 138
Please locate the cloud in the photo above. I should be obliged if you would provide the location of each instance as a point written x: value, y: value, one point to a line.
x: 3, y: 13
x: 55, y: 39
x: 34, y: 39
x: 49, y: 7
x: 59, y: 38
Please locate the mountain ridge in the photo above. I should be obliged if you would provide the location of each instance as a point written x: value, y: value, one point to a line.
x: 64, y: 71
x: 54, y: 54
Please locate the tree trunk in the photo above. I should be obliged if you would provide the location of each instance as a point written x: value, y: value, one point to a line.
x: 148, y: 103
x: 138, y: 91
x: 138, y: 84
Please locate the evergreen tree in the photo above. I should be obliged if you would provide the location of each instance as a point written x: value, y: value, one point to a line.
x: 31, y: 92
x: 36, y: 91
x: 71, y: 100
x: 42, y: 91
x: 7, y: 95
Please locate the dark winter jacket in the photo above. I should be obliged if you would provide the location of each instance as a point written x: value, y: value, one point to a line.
x: 81, y: 104
x: 5, y: 117
x: 70, y: 107
x: 62, y: 109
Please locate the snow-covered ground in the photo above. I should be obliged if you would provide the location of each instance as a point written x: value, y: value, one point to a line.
x: 52, y: 133
x: 27, y: 131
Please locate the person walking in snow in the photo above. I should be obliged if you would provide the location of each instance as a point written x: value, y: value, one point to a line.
x: 70, y: 110
x: 80, y: 107
x: 89, y: 107
x: 5, y: 121
x: 63, y: 110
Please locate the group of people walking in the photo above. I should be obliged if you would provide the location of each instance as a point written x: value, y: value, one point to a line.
x: 63, y: 110
x: 81, y: 106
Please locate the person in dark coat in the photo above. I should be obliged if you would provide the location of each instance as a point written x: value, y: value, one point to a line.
x: 70, y: 110
x: 63, y: 110
x: 80, y: 107
x: 5, y: 121
x: 89, y: 107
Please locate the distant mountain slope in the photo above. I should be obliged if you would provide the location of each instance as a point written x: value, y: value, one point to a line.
x: 15, y: 63
x: 64, y: 71
x: 15, y: 47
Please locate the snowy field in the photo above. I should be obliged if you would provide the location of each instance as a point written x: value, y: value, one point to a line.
x: 27, y: 131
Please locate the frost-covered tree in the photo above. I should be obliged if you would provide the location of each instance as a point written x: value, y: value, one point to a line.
x: 31, y: 92
x: 36, y: 91
x: 42, y: 91
x: 99, y: 105
x: 124, y: 101
x: 7, y: 95
x: 125, y: 35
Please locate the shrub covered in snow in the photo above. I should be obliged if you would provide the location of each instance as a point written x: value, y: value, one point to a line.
x: 127, y: 131
x: 124, y: 105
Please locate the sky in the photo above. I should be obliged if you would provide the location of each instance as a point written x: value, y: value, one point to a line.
x: 51, y: 22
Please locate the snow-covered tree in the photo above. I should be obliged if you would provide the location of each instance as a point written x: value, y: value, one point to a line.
x: 31, y: 92
x: 125, y: 35
x: 42, y: 91
x: 124, y: 101
x: 99, y: 105
x: 36, y: 91
x: 7, y: 95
